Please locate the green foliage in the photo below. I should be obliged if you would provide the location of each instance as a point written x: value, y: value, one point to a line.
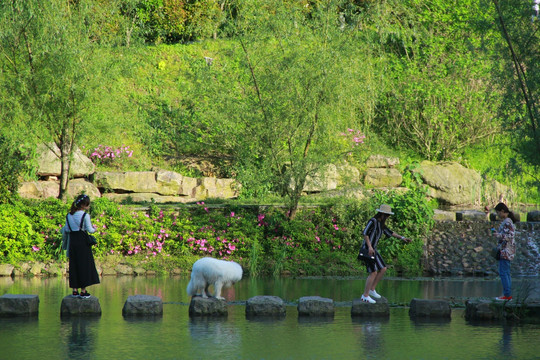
x: 18, y: 239
x: 171, y: 21
x: 12, y: 166
x: 320, y: 240
x: 440, y: 98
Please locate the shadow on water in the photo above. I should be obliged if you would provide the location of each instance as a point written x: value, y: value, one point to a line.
x: 79, y: 334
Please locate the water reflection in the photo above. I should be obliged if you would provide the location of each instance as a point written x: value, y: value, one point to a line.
x: 79, y: 333
x: 369, y: 333
x: 506, y: 342
x: 217, y: 332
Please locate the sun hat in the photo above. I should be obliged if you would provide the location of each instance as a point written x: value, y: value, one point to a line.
x: 385, y: 209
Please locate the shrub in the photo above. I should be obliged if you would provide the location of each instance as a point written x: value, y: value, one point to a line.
x: 18, y: 240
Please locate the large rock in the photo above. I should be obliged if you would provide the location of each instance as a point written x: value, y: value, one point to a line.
x: 19, y: 305
x: 348, y: 175
x: 383, y: 177
x: 451, y: 182
x: 75, y: 306
x: 422, y: 308
x: 147, y: 197
x: 482, y: 310
x: 169, y: 182
x: 211, y: 307
x: 82, y: 186
x: 265, y: 306
x: 315, y: 306
x: 363, y: 309
x: 211, y: 187
x: 49, y: 162
x: 6, y: 269
x: 39, y: 189
x: 381, y: 161
x: 129, y: 181
x: 324, y: 179
x: 143, y: 305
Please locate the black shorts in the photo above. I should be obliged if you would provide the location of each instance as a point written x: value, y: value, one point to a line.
x: 378, y: 264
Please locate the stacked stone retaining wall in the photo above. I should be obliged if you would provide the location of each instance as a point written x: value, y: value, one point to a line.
x: 463, y: 248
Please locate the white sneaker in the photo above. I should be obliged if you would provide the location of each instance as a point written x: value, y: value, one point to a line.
x: 368, y: 299
x: 374, y: 294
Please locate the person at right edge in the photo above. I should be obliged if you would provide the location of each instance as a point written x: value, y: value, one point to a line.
x: 373, y: 231
x: 507, y: 245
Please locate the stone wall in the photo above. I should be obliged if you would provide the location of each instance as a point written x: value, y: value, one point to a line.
x: 448, y: 182
x: 463, y: 248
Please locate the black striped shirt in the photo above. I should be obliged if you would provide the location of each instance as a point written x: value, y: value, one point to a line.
x: 374, y: 231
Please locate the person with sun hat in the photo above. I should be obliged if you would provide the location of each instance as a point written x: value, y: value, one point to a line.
x: 376, y: 268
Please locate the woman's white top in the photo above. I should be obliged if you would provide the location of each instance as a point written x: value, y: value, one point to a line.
x: 75, y: 221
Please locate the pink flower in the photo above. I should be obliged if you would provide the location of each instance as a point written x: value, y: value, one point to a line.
x: 232, y: 213
x: 35, y: 248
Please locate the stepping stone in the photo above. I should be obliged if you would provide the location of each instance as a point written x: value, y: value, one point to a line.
x: 143, y: 305
x: 19, y: 305
x: 491, y: 310
x: 76, y: 306
x: 315, y: 306
x: 430, y: 308
x: 265, y: 306
x: 363, y: 309
x: 200, y: 306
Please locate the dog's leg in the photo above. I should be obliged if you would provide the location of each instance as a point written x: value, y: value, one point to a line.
x: 217, y: 287
x: 205, y: 291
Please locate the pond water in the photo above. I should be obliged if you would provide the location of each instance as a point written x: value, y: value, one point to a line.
x: 176, y: 336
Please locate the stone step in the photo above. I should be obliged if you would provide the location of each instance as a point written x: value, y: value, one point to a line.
x: 12, y: 305
x: 380, y: 309
x: 315, y: 306
x: 76, y: 306
x: 143, y: 305
x: 423, y: 308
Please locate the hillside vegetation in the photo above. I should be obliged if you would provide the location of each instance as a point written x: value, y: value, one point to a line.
x: 269, y: 91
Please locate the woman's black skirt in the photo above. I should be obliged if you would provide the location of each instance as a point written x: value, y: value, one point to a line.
x: 82, y: 268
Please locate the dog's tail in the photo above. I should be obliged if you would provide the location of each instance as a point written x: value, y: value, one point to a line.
x: 190, y: 288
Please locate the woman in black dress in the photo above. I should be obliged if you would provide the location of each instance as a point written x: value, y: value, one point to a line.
x: 82, y: 269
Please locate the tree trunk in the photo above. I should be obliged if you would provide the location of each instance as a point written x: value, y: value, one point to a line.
x: 65, y: 164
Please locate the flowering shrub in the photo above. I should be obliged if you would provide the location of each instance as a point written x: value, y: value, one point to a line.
x: 319, y: 240
x: 107, y: 155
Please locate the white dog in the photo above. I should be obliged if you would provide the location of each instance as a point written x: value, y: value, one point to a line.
x: 209, y: 271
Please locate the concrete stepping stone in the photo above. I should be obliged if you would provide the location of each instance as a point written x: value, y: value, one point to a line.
x: 423, y: 308
x: 76, y: 306
x: 265, y: 306
x: 19, y: 305
x: 143, y: 305
x: 211, y: 307
x: 380, y: 309
x: 315, y: 306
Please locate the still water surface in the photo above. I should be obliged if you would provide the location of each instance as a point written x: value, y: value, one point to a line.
x: 176, y: 336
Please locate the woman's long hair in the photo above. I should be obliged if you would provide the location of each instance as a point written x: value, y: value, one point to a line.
x: 80, y: 202
x: 502, y: 207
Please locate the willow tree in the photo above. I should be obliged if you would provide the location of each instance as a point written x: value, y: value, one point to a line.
x: 46, y: 66
x: 302, y: 81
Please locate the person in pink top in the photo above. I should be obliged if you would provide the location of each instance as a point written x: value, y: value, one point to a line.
x: 507, y: 245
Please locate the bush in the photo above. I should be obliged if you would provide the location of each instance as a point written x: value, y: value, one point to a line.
x: 18, y: 240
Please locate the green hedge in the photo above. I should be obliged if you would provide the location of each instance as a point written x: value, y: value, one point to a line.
x: 320, y: 240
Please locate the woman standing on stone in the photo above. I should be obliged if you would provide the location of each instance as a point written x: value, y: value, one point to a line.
x: 507, y: 245
x: 372, y: 233
x: 82, y: 269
